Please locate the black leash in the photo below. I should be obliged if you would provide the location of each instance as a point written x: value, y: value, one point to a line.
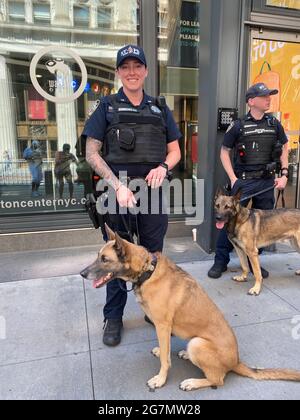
x: 129, y: 232
x: 280, y: 193
x: 258, y: 193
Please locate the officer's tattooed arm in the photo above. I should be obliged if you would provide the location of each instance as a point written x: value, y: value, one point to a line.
x: 227, y: 165
x: 93, y: 148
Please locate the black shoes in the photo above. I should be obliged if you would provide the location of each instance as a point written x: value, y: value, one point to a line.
x: 112, y: 332
x: 216, y: 271
x: 264, y: 273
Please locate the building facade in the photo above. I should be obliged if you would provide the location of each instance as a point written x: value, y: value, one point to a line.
x: 57, y: 59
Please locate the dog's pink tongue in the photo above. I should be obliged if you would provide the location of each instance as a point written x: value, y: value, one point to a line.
x: 220, y: 225
x: 97, y: 283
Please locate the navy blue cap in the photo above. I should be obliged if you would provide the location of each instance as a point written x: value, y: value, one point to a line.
x: 133, y: 51
x: 259, y: 89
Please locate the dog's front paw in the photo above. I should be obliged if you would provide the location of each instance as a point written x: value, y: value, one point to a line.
x: 240, y: 278
x: 183, y: 354
x: 188, y: 385
x: 255, y: 291
x: 156, y: 352
x: 156, y: 382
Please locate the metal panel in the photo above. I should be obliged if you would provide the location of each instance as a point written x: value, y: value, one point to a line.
x: 149, y: 42
x: 220, y: 24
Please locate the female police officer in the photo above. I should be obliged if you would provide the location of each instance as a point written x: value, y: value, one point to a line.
x: 140, y: 137
x: 259, y: 142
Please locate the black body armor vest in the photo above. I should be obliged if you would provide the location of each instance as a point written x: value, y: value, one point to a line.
x: 257, y: 142
x: 135, y: 135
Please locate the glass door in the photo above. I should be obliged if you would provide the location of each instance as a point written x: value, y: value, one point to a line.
x: 275, y: 60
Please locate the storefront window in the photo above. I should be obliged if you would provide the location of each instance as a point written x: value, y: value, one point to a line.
x: 179, y: 35
x: 287, y: 4
x: 92, y: 30
x: 278, y: 65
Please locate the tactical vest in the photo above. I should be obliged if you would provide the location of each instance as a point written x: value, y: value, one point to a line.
x: 257, y: 142
x: 135, y: 135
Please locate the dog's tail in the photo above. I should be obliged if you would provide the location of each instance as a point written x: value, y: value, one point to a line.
x: 267, y: 374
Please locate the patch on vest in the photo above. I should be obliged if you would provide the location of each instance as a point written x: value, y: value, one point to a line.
x: 127, y: 109
x: 155, y: 109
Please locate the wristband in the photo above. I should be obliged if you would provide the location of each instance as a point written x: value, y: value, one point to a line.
x: 164, y: 165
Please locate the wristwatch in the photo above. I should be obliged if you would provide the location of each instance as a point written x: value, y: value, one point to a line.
x: 164, y: 165
x: 285, y: 172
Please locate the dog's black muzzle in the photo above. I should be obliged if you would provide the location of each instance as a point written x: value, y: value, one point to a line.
x: 221, y: 218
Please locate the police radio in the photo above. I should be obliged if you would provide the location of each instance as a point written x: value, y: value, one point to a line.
x: 242, y: 152
x: 276, y: 155
x: 161, y: 101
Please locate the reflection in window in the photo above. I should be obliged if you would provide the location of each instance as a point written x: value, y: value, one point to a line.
x: 16, y: 11
x: 179, y: 36
x: 104, y: 17
x: 81, y: 16
x: 41, y: 13
x: 26, y: 115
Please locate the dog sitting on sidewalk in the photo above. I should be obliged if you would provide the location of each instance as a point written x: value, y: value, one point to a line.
x: 176, y: 304
x: 250, y: 229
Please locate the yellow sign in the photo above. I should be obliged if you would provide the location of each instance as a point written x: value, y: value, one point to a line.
x: 287, y: 4
x: 277, y: 64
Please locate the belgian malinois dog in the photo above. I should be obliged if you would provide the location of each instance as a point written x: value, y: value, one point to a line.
x: 250, y: 229
x: 177, y: 305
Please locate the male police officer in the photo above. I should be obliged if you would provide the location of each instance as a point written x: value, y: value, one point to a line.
x: 260, y: 144
x: 139, y: 136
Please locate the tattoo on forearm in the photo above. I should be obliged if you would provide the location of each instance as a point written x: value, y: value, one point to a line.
x: 93, y: 147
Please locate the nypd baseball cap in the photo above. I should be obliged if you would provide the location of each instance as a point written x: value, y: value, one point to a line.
x: 131, y: 51
x: 259, y: 89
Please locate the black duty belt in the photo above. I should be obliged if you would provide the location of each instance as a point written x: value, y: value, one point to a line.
x: 251, y: 174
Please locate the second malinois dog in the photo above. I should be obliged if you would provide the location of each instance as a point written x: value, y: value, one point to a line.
x: 177, y: 305
x: 250, y: 229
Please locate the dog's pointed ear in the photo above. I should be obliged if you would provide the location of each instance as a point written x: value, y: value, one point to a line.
x: 120, y: 245
x: 110, y: 233
x: 238, y: 195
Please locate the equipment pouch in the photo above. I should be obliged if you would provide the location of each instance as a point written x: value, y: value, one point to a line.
x: 126, y: 137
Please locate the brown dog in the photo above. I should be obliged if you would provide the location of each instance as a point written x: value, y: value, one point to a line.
x: 249, y: 230
x: 178, y: 305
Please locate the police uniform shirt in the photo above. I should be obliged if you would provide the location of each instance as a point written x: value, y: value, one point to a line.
x: 97, y: 124
x: 233, y: 134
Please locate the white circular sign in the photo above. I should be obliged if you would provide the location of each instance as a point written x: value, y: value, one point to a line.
x: 42, y: 92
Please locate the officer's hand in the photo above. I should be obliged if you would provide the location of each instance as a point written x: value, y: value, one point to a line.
x: 156, y: 177
x: 125, y: 197
x: 280, y: 183
x: 233, y: 181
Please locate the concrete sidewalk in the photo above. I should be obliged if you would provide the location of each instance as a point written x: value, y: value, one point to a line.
x: 51, y: 332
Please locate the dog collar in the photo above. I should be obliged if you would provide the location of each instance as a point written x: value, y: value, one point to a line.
x: 147, y: 274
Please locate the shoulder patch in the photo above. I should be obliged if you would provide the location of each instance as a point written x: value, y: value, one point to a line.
x: 93, y: 108
x: 230, y: 127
